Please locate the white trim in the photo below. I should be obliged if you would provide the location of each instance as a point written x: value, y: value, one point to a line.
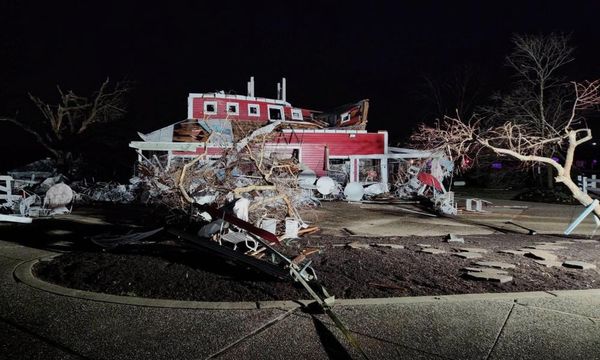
x: 164, y: 146
x: 190, y: 114
x: 205, y: 112
x: 237, y: 108
x: 280, y: 108
x: 257, y: 107
x: 385, y: 140
x: 298, y: 112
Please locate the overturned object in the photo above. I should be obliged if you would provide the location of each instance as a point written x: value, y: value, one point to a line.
x: 58, y: 197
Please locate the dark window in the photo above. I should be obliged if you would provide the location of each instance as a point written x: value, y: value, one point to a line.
x: 253, y: 110
x: 210, y: 108
x: 275, y: 114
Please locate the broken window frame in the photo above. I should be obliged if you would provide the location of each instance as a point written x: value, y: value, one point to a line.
x: 275, y: 107
x: 339, y: 168
x: 345, y: 115
x: 237, y: 108
x: 256, y: 107
x: 205, y: 106
x: 365, y: 170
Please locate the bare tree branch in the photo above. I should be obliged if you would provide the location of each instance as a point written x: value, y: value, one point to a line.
x: 519, y: 141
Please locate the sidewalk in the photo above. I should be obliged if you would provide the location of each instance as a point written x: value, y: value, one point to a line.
x: 39, y: 325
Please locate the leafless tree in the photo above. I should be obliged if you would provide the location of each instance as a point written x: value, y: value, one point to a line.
x: 540, y: 98
x: 461, y: 92
x: 73, y: 116
x: 522, y: 142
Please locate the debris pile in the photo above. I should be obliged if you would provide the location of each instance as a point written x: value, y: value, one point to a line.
x: 257, y: 185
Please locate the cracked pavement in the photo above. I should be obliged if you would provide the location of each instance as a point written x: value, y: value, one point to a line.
x: 35, y: 324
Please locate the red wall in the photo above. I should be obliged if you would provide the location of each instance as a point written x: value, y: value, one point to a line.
x: 198, y: 109
x: 339, y: 144
x: 313, y: 146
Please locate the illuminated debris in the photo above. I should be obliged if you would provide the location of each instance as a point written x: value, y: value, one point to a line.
x: 454, y: 239
x: 58, y: 197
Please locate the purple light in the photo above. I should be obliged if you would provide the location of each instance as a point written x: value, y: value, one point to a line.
x: 555, y: 158
x: 594, y: 161
x: 496, y: 165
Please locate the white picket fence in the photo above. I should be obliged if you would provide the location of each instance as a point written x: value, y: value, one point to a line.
x: 588, y: 184
x: 6, y: 195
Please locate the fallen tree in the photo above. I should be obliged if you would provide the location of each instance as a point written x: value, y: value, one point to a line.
x: 464, y: 140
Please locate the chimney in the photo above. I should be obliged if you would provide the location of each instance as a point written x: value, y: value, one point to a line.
x: 283, y: 89
x: 251, y: 87
x: 278, y: 91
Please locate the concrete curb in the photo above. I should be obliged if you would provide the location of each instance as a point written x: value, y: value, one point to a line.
x: 23, y: 272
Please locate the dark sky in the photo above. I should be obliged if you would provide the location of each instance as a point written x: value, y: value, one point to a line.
x: 330, y: 54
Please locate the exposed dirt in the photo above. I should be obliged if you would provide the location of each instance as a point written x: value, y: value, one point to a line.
x: 166, y: 272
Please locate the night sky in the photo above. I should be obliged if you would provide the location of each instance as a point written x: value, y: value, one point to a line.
x: 331, y: 54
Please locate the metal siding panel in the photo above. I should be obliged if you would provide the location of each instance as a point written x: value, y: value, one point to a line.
x: 313, y: 156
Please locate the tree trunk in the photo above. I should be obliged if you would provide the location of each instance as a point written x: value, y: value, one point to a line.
x: 549, y: 177
x: 578, y: 195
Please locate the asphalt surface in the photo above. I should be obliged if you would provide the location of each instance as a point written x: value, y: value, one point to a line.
x: 35, y: 324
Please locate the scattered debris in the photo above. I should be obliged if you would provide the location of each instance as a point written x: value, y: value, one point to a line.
x: 357, y: 245
x: 390, y: 246
x: 454, y: 239
x: 578, y: 264
x: 16, y: 219
x: 475, y: 250
x: 514, y: 252
x: 485, y: 269
x: 545, y: 247
x: 430, y: 250
x: 350, y: 232
x: 113, y: 241
x: 540, y: 255
x: 496, y: 264
x: 469, y: 202
x: 58, y: 197
x: 548, y: 263
x: 468, y: 255
x: 490, y: 276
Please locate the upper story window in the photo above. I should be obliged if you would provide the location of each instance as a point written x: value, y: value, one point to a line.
x: 275, y: 112
x: 296, y: 114
x: 210, y: 108
x: 253, y: 110
x: 233, y: 108
x: 345, y: 117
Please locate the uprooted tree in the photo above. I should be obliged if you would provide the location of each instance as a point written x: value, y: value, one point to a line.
x: 64, y: 124
x: 521, y: 141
